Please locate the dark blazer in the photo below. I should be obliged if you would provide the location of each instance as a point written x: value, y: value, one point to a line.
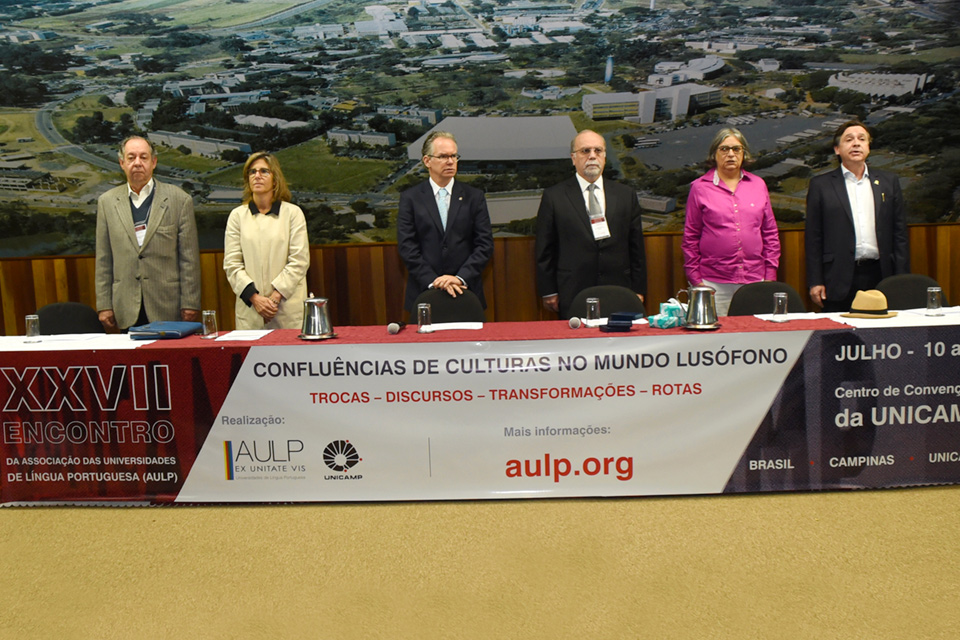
x: 830, y: 238
x: 164, y: 272
x: 428, y: 251
x: 568, y: 258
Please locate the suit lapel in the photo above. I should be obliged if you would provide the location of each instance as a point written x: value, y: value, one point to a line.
x: 610, y: 210
x: 575, y: 196
x: 879, y: 198
x: 840, y: 189
x: 610, y: 201
x: 124, y: 214
x: 456, y: 199
x: 433, y: 211
x: 158, y: 209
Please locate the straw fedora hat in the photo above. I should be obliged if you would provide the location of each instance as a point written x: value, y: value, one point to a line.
x: 869, y: 304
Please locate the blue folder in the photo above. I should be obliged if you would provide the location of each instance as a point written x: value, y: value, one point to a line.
x: 164, y: 329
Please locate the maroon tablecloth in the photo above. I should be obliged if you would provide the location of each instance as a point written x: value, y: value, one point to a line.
x: 495, y: 331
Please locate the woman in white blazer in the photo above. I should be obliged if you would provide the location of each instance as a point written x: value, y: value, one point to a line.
x: 266, y: 250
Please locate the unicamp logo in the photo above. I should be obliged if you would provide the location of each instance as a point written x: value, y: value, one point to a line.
x: 341, y: 456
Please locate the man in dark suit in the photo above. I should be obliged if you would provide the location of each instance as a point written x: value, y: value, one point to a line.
x: 147, y: 258
x: 589, y: 231
x: 443, y: 227
x: 856, y: 230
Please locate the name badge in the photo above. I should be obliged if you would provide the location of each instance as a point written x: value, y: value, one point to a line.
x: 600, y: 229
x: 141, y: 231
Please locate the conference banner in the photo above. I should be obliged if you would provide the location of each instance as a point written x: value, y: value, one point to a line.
x: 862, y: 409
x: 672, y: 414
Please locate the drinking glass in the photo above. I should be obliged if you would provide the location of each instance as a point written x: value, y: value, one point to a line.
x: 779, y: 307
x: 209, y: 324
x: 423, y: 318
x: 934, y: 301
x: 33, y: 328
x: 593, y: 308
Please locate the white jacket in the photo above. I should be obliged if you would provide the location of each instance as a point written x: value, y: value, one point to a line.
x: 272, y: 252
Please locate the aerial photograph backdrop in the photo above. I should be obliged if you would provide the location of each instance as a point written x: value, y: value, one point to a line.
x: 344, y: 92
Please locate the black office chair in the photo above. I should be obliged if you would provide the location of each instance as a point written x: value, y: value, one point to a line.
x: 465, y: 307
x: 908, y: 291
x: 68, y: 317
x: 757, y: 297
x: 613, y: 299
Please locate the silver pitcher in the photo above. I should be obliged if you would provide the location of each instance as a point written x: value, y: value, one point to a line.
x: 701, y: 307
x: 316, y: 320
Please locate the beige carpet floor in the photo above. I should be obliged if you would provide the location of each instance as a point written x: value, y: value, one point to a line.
x: 870, y: 564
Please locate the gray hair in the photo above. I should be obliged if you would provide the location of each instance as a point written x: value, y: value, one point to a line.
x: 123, y: 145
x: 722, y: 135
x: 427, y: 149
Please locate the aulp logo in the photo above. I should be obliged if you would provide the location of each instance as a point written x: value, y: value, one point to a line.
x: 341, y: 456
x: 261, y: 457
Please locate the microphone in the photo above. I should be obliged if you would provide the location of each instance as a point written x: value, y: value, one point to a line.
x: 395, y: 327
x: 574, y: 323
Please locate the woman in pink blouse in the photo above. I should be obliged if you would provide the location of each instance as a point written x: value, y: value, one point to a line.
x: 730, y: 236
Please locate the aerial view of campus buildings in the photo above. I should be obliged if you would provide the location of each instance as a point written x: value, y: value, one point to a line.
x: 344, y: 93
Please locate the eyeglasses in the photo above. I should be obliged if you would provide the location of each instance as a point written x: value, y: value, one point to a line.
x: 263, y: 172
x: 725, y: 150
x: 447, y: 156
x: 586, y: 151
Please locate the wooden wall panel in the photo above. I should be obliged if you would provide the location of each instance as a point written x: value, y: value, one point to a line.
x: 793, y: 263
x: 365, y: 283
x: 16, y: 291
x: 509, y: 282
x: 665, y: 276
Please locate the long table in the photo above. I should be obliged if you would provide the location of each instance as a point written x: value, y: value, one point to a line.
x: 512, y: 410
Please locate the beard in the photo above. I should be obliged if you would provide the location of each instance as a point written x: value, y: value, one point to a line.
x: 592, y: 171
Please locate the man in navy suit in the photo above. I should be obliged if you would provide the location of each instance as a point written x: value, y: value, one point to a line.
x: 443, y: 227
x: 589, y: 231
x: 856, y: 231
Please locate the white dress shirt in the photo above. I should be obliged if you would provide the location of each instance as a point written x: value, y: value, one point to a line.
x: 860, y: 194
x: 586, y: 194
x: 436, y: 190
x: 139, y: 198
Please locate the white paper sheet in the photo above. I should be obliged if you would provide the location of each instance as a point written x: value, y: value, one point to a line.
x: 446, y: 326
x: 244, y: 334
x: 71, y: 342
x: 905, y: 318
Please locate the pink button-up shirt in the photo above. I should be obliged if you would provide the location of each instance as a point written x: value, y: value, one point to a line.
x: 730, y: 236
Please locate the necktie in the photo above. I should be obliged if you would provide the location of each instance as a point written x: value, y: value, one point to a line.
x: 442, y: 205
x: 595, y: 210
